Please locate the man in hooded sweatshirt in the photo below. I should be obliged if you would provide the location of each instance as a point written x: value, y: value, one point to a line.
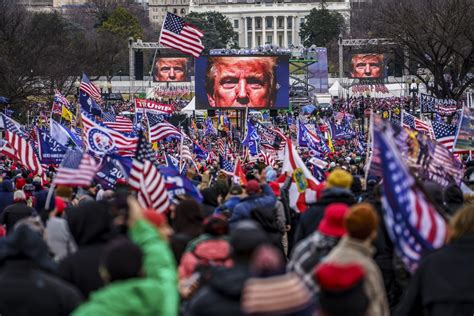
x: 140, y: 272
x: 91, y: 226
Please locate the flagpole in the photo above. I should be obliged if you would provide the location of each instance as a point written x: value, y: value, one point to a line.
x: 370, y: 144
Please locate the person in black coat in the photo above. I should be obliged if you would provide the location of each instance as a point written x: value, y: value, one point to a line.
x: 443, y: 284
x: 6, y: 194
x: 337, y: 191
x: 222, y: 292
x: 29, y: 286
x: 91, y: 226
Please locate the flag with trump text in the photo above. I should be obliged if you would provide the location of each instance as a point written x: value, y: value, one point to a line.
x: 412, y: 222
x: 302, y: 185
x: 146, y: 179
x: 178, y: 34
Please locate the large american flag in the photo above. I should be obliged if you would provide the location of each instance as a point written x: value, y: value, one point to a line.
x: 445, y: 134
x: 88, y: 87
x: 158, y: 128
x: 76, y: 169
x: 124, y: 144
x: 117, y: 122
x: 58, y: 101
x: 146, y: 178
x: 226, y: 166
x: 414, y: 226
x: 176, y: 33
x: 415, y: 123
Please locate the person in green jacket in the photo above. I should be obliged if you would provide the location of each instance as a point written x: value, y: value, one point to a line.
x: 141, y: 276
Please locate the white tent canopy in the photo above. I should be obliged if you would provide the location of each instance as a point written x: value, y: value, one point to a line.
x: 191, y: 106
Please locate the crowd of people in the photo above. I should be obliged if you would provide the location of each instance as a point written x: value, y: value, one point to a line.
x: 242, y: 250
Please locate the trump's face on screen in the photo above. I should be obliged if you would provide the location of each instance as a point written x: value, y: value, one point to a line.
x: 367, y: 65
x: 241, y: 81
x: 170, y: 69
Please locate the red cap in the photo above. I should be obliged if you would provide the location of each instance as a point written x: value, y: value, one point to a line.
x: 275, y: 188
x: 332, y: 223
x: 157, y: 219
x: 60, y: 205
x: 252, y: 187
x: 335, y: 277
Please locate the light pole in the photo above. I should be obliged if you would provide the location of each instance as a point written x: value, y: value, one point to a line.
x: 414, y: 92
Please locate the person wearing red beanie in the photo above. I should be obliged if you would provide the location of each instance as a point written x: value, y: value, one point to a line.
x: 312, y: 250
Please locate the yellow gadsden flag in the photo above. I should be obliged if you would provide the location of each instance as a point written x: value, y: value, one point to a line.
x: 66, y: 114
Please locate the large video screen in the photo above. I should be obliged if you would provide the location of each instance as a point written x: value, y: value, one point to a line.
x: 368, y: 66
x: 242, y: 81
x: 173, y: 69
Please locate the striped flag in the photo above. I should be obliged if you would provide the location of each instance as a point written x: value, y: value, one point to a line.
x: 102, y: 140
x: 146, y: 179
x: 177, y: 34
x: 158, y: 128
x: 89, y: 88
x: 445, y: 134
x: 117, y: 122
x: 59, y: 101
x: 302, y: 188
x: 410, y: 121
x: 413, y: 224
x: 76, y: 169
x: 267, y: 158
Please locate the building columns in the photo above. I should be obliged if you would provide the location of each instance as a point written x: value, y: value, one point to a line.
x: 264, y: 34
x: 275, y: 37
x: 253, y: 33
x: 285, y: 32
x: 293, y: 30
x: 246, y: 38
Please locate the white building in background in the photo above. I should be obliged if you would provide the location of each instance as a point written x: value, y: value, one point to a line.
x: 260, y: 22
x: 157, y: 10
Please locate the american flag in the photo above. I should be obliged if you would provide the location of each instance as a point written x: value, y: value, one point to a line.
x: 58, y: 101
x: 445, y: 134
x: 413, y: 224
x: 123, y: 144
x: 76, y: 169
x: 13, y: 126
x: 176, y: 33
x: 146, y: 178
x: 24, y: 152
x: 117, y: 122
x: 7, y: 150
x: 88, y: 87
x: 226, y: 166
x: 415, y: 123
x: 158, y: 128
x: 221, y: 147
x: 267, y: 158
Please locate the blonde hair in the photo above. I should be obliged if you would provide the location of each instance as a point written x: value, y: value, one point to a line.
x: 463, y: 222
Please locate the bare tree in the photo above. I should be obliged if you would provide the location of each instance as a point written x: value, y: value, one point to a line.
x: 438, y: 35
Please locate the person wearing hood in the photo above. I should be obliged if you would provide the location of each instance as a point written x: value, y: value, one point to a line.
x: 221, y: 293
x: 91, y: 226
x: 139, y: 271
x: 27, y: 275
x: 16, y: 211
x: 6, y: 194
x: 187, y: 225
x: 337, y: 190
x: 40, y: 194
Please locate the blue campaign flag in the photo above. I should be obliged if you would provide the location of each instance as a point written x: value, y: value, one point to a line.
x: 251, y: 139
x: 179, y: 185
x: 308, y: 109
x: 171, y: 161
x: 200, y: 152
x: 340, y: 131
x: 210, y: 129
x: 64, y: 135
x: 111, y: 169
x: 50, y: 152
x: 4, y: 100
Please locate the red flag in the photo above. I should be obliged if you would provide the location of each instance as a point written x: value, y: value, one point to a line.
x: 239, y: 173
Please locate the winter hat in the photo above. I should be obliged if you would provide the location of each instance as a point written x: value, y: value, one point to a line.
x: 267, y: 261
x: 339, y: 178
x: 60, y: 205
x: 19, y: 196
x: 19, y: 183
x: 341, y: 289
x: 122, y: 259
x: 275, y: 188
x: 246, y: 237
x: 271, y: 175
x: 216, y: 225
x: 252, y: 187
x: 332, y: 223
x: 361, y: 221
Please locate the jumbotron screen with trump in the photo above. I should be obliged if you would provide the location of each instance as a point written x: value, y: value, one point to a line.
x: 242, y: 81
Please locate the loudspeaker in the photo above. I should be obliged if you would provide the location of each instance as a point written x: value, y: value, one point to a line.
x: 211, y: 113
x: 273, y: 113
x: 138, y: 65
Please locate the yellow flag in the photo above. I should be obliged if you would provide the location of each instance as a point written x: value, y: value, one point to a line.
x: 331, y: 147
x: 154, y: 146
x: 66, y: 114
